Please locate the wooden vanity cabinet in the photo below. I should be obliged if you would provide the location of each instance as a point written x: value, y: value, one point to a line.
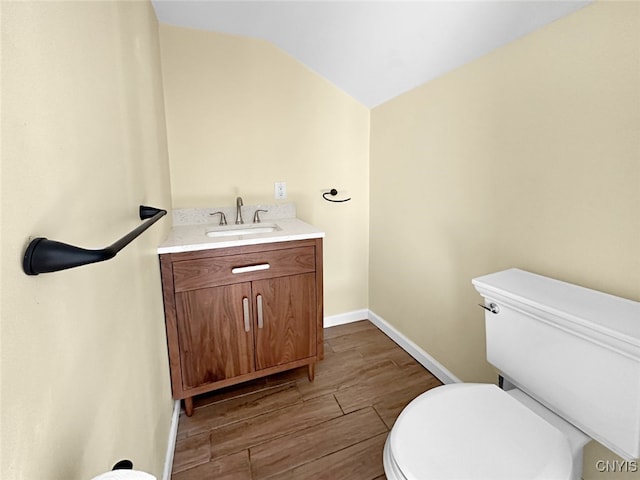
x: 236, y: 314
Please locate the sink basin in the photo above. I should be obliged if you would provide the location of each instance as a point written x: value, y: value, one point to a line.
x: 237, y: 230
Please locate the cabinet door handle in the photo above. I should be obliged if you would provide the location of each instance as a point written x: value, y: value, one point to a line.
x: 259, y: 305
x: 245, y: 312
x: 251, y: 268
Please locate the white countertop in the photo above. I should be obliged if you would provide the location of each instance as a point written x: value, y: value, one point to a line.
x: 189, y: 238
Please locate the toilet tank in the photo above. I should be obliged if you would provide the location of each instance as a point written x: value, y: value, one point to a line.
x: 575, y: 350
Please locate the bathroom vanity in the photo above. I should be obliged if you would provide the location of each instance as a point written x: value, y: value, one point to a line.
x: 241, y: 306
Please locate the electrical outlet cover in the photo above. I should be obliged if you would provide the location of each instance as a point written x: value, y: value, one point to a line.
x: 280, y: 190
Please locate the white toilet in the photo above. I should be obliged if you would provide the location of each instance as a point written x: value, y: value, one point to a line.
x: 570, y: 360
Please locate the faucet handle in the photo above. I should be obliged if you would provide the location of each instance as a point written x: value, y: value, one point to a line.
x: 223, y: 219
x: 256, y: 216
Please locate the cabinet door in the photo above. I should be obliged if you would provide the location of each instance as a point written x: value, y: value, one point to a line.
x: 215, y: 337
x: 285, y: 312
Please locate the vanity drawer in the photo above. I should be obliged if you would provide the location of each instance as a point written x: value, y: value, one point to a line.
x: 225, y: 270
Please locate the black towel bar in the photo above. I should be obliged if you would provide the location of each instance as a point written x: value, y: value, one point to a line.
x: 43, y: 255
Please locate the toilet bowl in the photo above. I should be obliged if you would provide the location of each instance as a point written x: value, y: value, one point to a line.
x: 549, y: 340
x: 480, y: 432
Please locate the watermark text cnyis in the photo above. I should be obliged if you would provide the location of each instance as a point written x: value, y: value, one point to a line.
x: 617, y: 466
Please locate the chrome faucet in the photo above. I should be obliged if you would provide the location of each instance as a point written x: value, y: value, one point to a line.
x: 239, y: 211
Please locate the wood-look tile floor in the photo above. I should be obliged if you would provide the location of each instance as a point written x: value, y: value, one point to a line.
x: 285, y: 427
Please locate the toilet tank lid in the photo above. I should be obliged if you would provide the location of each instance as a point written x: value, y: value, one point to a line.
x: 606, y: 314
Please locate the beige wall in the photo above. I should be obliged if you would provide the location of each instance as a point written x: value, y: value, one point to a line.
x: 84, y: 365
x: 529, y: 158
x: 241, y: 115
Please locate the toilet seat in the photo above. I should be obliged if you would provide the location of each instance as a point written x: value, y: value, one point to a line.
x: 474, y: 432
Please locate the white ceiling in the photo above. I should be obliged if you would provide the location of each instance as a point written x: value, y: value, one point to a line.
x: 373, y: 50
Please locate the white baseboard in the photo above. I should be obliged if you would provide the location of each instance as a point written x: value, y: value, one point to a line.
x: 426, y: 360
x: 171, y: 443
x: 422, y: 357
x: 348, y: 317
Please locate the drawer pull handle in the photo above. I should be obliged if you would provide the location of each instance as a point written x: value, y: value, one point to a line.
x: 251, y: 268
x: 260, y: 318
x: 245, y: 312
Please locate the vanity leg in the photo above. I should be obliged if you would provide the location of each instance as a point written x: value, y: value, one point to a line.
x: 311, y: 371
x: 188, y: 406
